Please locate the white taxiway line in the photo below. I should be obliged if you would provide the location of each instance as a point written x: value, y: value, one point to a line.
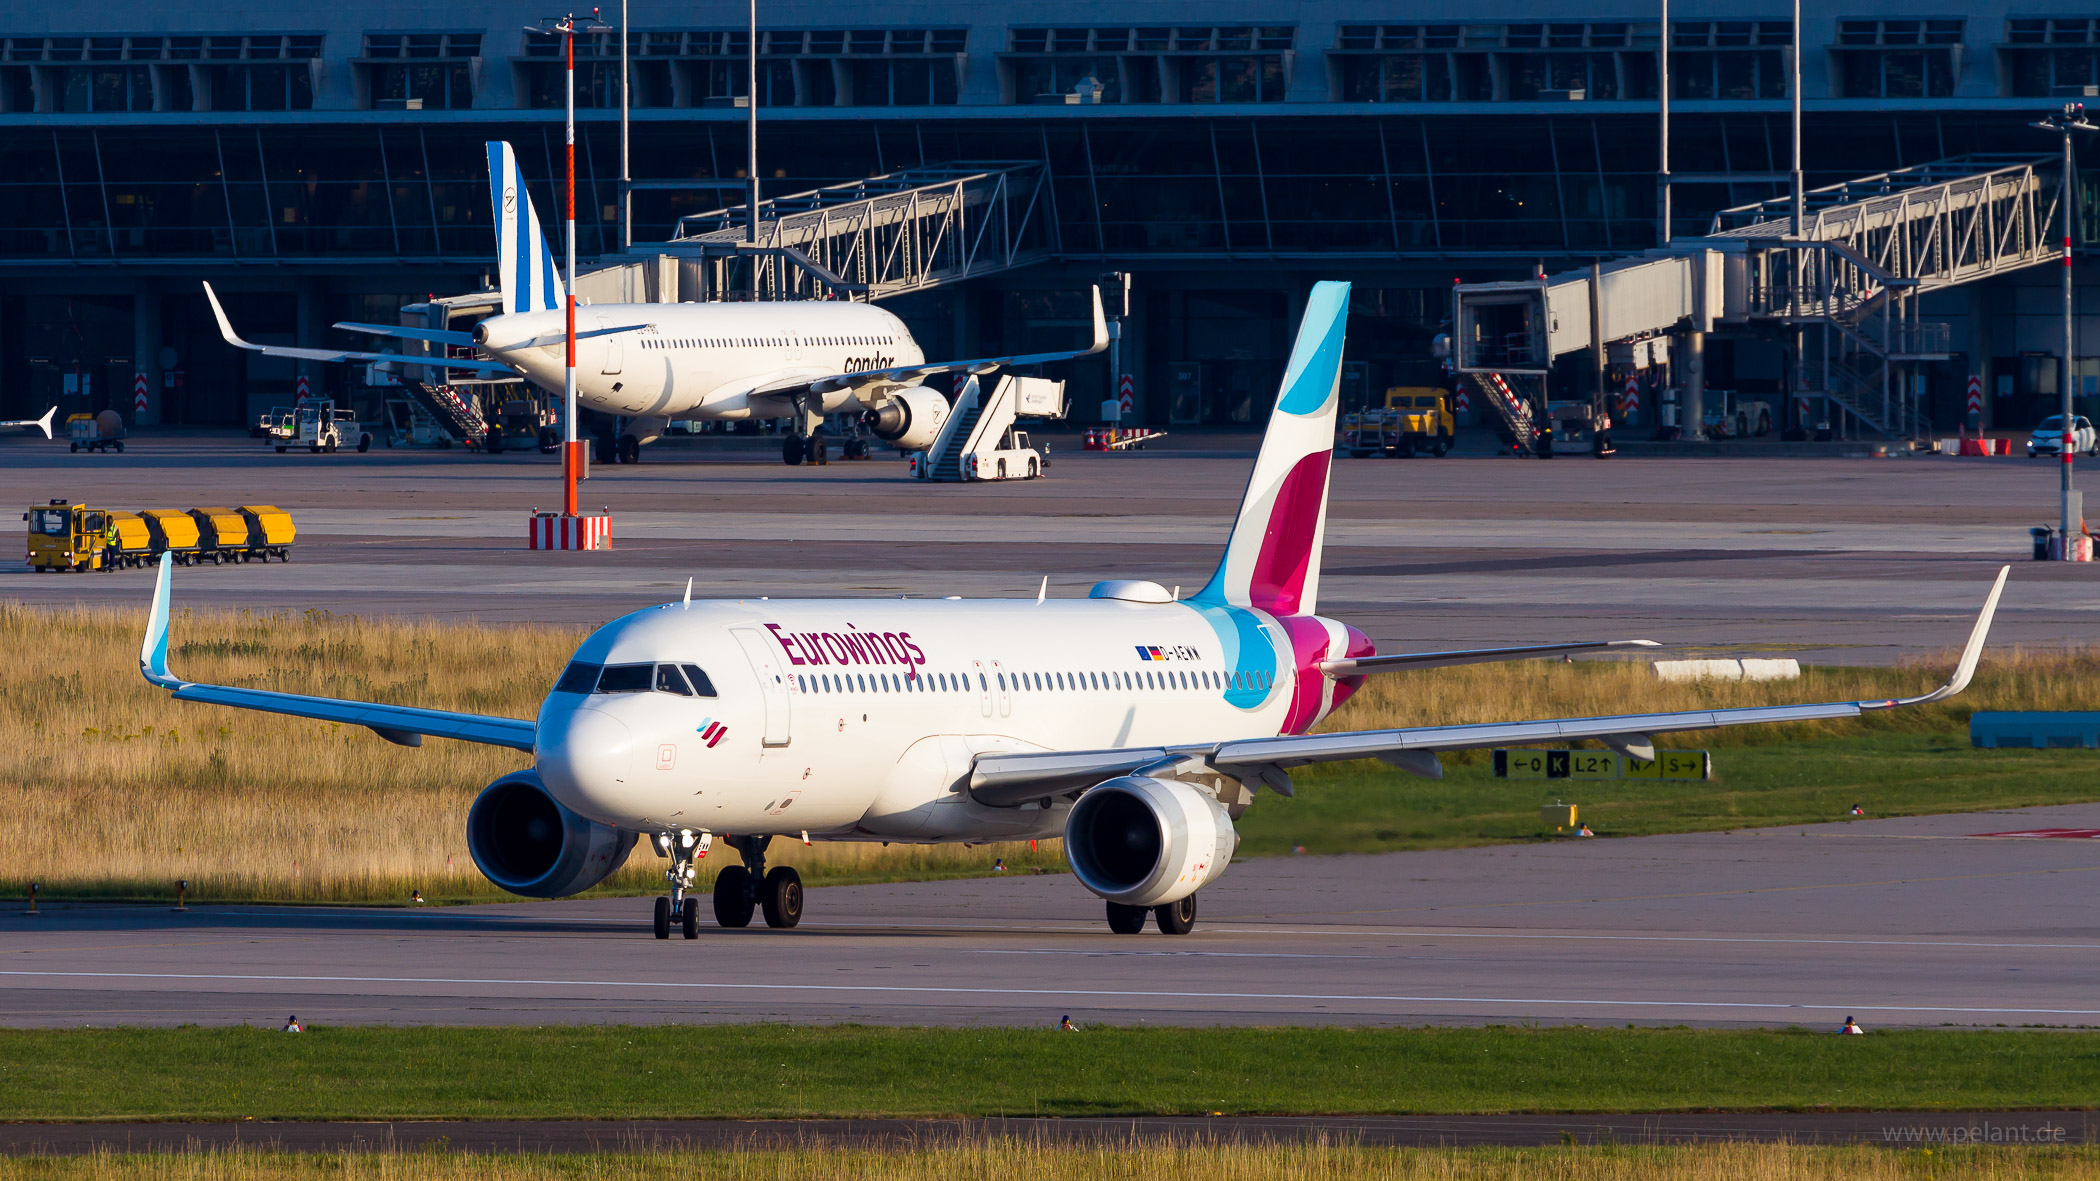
x: 1143, y: 994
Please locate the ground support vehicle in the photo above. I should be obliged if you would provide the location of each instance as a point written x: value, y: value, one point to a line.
x: 280, y: 425
x: 516, y: 421
x: 96, y: 432
x: 66, y: 536
x: 1014, y: 459
x: 1414, y: 418
x: 2048, y: 437
x: 320, y: 426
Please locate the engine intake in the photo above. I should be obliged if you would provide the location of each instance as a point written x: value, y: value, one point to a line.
x: 523, y: 840
x: 911, y: 420
x: 1147, y: 842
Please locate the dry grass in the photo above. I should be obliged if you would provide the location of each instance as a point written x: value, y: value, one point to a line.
x: 1019, y: 1160
x: 112, y: 789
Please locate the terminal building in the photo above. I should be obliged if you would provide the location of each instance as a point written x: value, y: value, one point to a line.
x: 326, y: 164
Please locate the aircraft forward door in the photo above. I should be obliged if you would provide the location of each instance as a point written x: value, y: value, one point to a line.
x: 767, y: 665
x: 615, y: 348
x: 984, y: 687
x: 1006, y: 701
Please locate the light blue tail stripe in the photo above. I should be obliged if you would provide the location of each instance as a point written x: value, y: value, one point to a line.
x: 1317, y: 356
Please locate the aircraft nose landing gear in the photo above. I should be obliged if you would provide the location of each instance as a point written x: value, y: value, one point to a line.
x: 683, y: 847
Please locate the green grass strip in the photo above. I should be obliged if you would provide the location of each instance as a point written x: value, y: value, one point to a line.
x: 623, y: 1072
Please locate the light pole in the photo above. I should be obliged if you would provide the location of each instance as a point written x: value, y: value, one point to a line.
x: 2071, y: 118
x: 572, y: 448
x: 751, y: 148
x: 626, y: 178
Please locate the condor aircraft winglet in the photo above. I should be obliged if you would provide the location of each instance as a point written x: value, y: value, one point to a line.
x: 1135, y: 726
x: 649, y: 363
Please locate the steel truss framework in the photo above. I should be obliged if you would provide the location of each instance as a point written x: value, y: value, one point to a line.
x: 871, y: 239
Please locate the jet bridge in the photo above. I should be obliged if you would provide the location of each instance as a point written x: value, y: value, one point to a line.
x: 863, y: 240
x: 1867, y: 248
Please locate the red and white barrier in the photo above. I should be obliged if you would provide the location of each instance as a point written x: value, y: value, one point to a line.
x: 554, y: 531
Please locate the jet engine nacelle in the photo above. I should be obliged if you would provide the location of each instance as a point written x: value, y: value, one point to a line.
x: 523, y: 840
x: 1147, y: 842
x: 911, y: 419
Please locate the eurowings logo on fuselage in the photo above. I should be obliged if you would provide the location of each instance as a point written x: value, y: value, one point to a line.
x: 851, y: 646
x: 710, y: 731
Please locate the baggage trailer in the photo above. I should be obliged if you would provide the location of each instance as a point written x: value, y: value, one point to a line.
x: 270, y: 532
x: 127, y: 543
x: 173, y: 532
x: 222, y: 535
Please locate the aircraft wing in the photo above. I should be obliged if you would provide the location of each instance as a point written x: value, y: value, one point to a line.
x: 277, y: 350
x: 903, y: 375
x: 1015, y: 778
x: 401, y: 724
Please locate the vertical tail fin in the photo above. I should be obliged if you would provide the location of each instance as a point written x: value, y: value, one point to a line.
x: 1273, y: 560
x: 524, y: 265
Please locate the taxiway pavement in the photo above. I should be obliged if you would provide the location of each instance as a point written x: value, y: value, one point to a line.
x: 1914, y: 922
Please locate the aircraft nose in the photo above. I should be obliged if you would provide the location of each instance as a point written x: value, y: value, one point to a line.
x: 586, y: 759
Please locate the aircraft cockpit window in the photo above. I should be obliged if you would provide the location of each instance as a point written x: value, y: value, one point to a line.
x: 670, y: 680
x: 579, y: 677
x: 627, y: 678
x: 701, y: 685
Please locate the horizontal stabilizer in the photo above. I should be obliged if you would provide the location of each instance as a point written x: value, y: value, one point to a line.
x: 1401, y: 662
x: 299, y: 354
x: 43, y: 424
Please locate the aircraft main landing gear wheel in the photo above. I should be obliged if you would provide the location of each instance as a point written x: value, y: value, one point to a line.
x: 733, y: 897
x: 689, y: 918
x: 1176, y: 918
x: 819, y: 451
x: 1126, y: 920
x: 782, y: 898
x: 792, y: 449
x: 663, y: 917
x: 629, y: 449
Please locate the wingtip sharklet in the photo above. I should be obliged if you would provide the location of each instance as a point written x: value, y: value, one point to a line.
x: 1971, y: 653
x: 153, y: 649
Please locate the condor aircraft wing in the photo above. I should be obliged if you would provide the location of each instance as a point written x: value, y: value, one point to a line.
x: 904, y: 375
x: 1015, y: 778
x: 276, y: 350
x: 401, y: 724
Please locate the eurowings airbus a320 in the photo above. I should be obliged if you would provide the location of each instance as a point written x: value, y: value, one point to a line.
x: 1135, y: 726
x: 649, y: 363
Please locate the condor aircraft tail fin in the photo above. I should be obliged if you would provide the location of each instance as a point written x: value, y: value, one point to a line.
x: 1272, y: 561
x: 524, y: 265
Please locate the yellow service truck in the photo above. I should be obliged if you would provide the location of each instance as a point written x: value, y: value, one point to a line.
x: 1414, y: 418
x: 66, y: 536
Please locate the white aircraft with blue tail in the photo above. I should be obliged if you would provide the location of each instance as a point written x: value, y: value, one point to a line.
x: 650, y: 363
x: 1137, y: 727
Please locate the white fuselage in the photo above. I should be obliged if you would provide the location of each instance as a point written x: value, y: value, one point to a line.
x: 858, y: 719
x: 700, y: 360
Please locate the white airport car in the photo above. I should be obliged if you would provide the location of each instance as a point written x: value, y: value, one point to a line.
x: 2048, y: 437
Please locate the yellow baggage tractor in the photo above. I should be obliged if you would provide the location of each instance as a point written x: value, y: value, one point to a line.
x: 126, y: 541
x: 270, y: 531
x: 222, y: 535
x: 173, y: 531
x: 65, y: 536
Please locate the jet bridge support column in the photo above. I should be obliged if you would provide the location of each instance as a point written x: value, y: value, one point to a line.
x: 1694, y: 410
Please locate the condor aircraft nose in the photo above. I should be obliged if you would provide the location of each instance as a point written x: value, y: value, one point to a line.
x: 586, y: 758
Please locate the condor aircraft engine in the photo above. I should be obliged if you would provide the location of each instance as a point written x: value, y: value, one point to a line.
x: 649, y: 363
x: 1137, y: 727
